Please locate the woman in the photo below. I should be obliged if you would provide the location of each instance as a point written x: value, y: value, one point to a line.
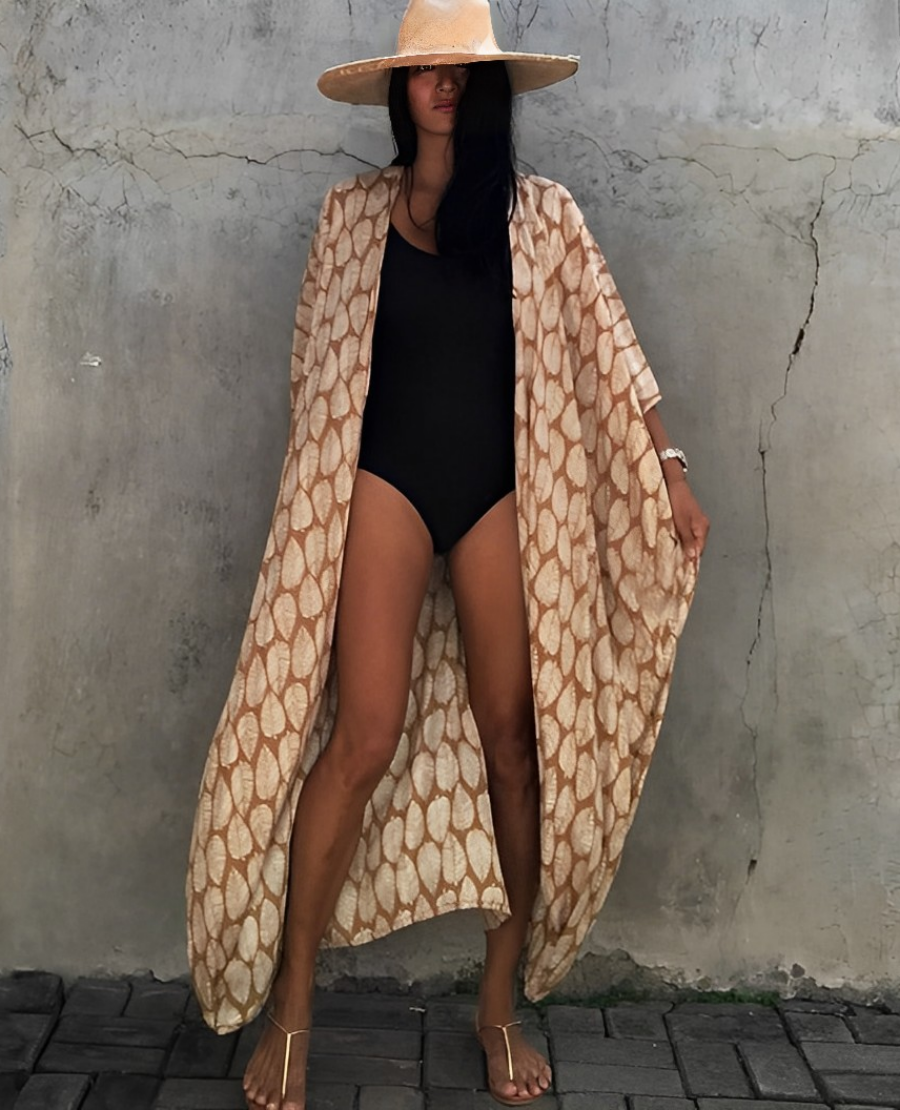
x: 510, y: 428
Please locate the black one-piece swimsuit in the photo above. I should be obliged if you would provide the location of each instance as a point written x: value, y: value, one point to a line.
x: 438, y: 421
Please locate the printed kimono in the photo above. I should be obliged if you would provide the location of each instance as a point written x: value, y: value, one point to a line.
x: 607, y: 590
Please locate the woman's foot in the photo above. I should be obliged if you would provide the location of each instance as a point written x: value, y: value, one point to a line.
x: 278, y: 1063
x: 517, y: 1073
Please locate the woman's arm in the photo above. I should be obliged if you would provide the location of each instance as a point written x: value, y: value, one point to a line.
x: 691, y: 523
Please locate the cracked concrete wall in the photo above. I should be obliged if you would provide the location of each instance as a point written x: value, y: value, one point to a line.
x: 162, y: 165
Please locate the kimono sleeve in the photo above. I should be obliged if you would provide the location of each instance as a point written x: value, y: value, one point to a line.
x: 309, y: 291
x: 590, y: 277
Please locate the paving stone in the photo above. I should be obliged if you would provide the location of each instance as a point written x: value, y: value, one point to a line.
x: 617, y: 1079
x: 85, y: 1058
x: 585, y: 1100
x: 152, y: 999
x: 192, y: 1011
x: 884, y: 1089
x: 123, y: 1032
x: 871, y: 1059
x: 200, y: 1094
x: 390, y: 1098
x: 227, y: 1094
x: 636, y: 1023
x: 200, y: 1053
x: 757, y: 1025
x: 722, y: 1009
x: 876, y: 1028
x: 811, y: 1006
x: 604, y: 1050
x: 31, y: 992
x: 818, y: 1027
x: 360, y: 1070
x: 53, y: 1092
x: 106, y: 997
x: 657, y: 1102
x: 481, y: 1100
x: 460, y: 1100
x: 10, y: 1085
x: 22, y: 1036
x: 367, y: 1011
x: 713, y: 1070
x: 759, y: 1104
x: 454, y: 1060
x: 397, y: 1044
x: 329, y: 1096
x: 122, y: 1092
x: 576, y: 1019
x: 778, y: 1071
x: 657, y: 1007
x: 451, y: 1014
x: 458, y: 1016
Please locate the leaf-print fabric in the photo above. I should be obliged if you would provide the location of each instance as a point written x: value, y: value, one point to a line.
x: 607, y: 591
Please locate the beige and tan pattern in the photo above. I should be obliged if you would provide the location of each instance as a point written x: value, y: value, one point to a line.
x: 607, y: 591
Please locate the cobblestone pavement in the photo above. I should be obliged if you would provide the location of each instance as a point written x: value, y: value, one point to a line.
x: 138, y: 1044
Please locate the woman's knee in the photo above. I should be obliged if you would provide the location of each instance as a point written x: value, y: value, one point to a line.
x: 360, y: 751
x: 510, y: 748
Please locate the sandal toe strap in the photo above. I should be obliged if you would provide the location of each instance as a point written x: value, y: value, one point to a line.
x: 289, y: 1036
x: 504, y: 1029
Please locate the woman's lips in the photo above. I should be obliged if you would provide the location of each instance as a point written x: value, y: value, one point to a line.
x: 445, y: 107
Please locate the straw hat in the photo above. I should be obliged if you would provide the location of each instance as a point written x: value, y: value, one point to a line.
x: 435, y: 32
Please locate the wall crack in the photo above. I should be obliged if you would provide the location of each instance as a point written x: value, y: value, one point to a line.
x: 520, y: 24
x: 766, y: 602
x: 604, y: 23
x: 126, y: 156
x: 765, y: 439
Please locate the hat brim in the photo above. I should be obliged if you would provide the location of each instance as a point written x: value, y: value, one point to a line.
x: 366, y: 82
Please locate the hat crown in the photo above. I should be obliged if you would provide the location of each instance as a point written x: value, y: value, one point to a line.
x: 441, y: 32
x: 446, y: 27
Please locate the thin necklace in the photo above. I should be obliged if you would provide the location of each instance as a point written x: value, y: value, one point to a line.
x: 430, y: 220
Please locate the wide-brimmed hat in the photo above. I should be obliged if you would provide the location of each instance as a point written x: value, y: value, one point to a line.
x: 435, y: 32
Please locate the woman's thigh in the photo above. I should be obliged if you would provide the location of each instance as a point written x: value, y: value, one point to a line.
x: 486, y: 576
x: 387, y: 564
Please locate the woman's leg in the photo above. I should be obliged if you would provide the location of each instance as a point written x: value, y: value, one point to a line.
x: 387, y: 563
x: 487, y: 584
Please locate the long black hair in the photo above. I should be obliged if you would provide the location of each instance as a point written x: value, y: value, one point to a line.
x: 474, y: 213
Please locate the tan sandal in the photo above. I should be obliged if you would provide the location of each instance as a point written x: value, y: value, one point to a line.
x: 526, y: 1099
x: 289, y: 1036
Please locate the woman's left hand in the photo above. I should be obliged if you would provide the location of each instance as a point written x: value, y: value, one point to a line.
x: 691, y: 523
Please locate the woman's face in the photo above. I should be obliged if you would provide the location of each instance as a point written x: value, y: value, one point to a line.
x: 434, y: 93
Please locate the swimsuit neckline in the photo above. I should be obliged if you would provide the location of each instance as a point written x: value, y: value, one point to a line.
x: 412, y: 246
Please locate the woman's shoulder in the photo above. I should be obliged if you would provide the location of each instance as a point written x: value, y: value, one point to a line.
x: 371, y: 181
x: 542, y: 197
x: 538, y: 187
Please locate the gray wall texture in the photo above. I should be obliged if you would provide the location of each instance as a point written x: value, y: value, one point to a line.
x: 162, y: 166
